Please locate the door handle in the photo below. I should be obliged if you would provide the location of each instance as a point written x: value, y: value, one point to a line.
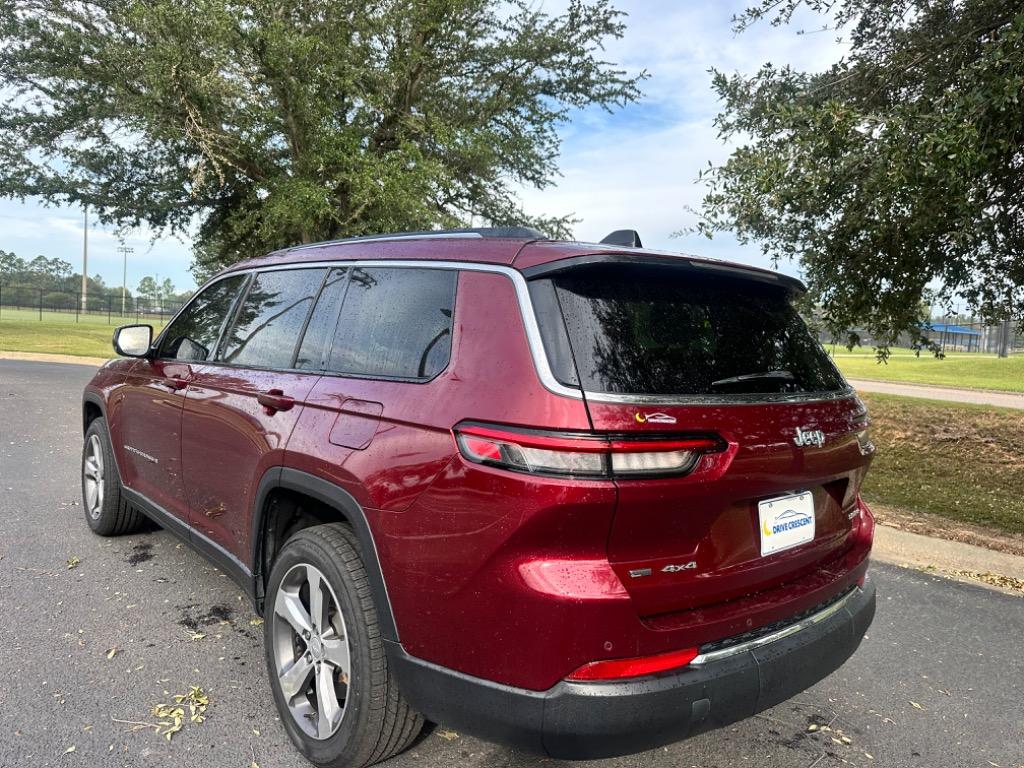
x: 174, y: 382
x: 274, y: 400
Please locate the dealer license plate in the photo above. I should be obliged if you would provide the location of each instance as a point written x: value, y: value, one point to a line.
x: 786, y: 522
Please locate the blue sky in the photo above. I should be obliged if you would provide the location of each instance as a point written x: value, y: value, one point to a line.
x: 634, y: 168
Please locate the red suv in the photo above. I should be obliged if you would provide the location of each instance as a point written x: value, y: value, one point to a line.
x: 580, y: 499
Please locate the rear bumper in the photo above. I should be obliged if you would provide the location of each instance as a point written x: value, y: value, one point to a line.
x: 596, y: 720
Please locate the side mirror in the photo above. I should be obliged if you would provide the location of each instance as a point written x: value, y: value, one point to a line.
x: 133, y: 340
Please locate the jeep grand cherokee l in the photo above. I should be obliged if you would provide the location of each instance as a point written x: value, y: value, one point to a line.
x: 579, y: 499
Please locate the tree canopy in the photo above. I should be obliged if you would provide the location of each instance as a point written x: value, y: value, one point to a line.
x: 896, y: 177
x: 265, y: 123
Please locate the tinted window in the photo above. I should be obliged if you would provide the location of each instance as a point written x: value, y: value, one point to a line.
x: 271, y: 318
x: 193, y: 334
x: 666, y: 331
x: 322, y: 323
x: 395, y: 323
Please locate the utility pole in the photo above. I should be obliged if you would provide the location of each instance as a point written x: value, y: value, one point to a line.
x: 124, y: 250
x: 85, y: 260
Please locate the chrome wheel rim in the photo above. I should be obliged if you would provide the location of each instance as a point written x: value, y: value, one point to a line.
x: 92, y: 477
x: 311, y: 651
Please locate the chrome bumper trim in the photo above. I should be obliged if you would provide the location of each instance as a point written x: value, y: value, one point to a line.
x: 810, y: 621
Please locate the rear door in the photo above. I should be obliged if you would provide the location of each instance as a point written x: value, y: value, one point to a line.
x: 380, y: 337
x: 241, y: 407
x: 670, y: 350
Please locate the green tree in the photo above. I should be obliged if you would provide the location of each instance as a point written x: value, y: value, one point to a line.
x: 166, y: 290
x: 147, y: 288
x: 897, y: 171
x: 10, y: 264
x: 60, y: 269
x: 39, y: 268
x: 272, y: 122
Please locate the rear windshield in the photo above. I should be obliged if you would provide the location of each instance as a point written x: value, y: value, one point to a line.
x: 655, y: 330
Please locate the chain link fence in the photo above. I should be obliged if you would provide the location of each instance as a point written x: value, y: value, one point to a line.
x: 956, y: 335
x: 23, y: 302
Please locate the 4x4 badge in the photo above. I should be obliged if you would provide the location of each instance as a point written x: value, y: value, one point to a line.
x: 654, y: 418
x: 805, y: 437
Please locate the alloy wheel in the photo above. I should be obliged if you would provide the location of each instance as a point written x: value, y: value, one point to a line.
x: 92, y: 477
x: 311, y: 651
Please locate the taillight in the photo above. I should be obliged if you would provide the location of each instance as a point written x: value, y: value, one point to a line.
x: 860, y: 424
x: 583, y: 454
x: 618, y: 669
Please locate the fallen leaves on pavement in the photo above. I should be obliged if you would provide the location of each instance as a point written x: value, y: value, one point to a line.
x: 73, y: 562
x: 171, y: 717
x: 995, y: 579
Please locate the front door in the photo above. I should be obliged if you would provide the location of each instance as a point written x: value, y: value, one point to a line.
x: 241, y: 408
x: 148, y: 445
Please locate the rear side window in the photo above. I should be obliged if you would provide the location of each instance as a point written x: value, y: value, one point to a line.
x: 193, y: 334
x: 654, y: 330
x: 394, y: 323
x: 271, y: 317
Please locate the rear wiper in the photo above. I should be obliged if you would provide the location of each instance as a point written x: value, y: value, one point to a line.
x: 762, y: 376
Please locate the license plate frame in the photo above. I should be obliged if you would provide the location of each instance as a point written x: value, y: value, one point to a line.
x: 785, y: 522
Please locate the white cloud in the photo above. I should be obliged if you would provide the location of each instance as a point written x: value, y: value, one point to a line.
x: 638, y: 167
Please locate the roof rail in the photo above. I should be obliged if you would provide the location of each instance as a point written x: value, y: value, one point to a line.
x: 511, y: 233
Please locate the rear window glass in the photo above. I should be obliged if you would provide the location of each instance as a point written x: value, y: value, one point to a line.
x: 667, y: 331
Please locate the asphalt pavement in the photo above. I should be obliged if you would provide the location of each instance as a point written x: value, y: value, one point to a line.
x: 87, y: 651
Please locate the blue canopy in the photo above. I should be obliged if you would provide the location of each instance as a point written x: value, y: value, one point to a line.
x: 949, y: 328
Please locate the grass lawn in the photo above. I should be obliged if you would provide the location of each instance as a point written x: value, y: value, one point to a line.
x: 961, y: 462
x: 974, y: 371
x: 58, y: 333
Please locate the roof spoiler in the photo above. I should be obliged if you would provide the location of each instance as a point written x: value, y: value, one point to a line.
x: 629, y: 238
x: 706, y: 266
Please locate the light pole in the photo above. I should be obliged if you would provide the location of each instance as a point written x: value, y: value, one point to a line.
x: 124, y: 250
x: 85, y: 259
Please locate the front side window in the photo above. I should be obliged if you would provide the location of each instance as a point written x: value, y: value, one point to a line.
x: 394, y: 323
x: 193, y: 334
x: 271, y: 317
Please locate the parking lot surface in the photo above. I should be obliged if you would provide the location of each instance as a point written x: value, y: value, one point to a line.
x: 87, y: 651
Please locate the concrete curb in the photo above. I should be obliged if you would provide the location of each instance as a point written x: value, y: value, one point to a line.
x: 40, y: 357
x: 949, y: 557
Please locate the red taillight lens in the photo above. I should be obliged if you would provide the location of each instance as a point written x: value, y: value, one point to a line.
x: 617, y: 669
x: 582, y: 454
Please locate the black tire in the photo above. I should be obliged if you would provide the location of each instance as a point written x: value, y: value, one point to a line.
x: 112, y: 515
x: 376, y: 723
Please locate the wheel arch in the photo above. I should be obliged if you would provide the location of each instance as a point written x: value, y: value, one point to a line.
x: 93, y: 408
x: 279, y: 479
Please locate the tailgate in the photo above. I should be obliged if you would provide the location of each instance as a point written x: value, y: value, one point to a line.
x: 668, y: 349
x: 680, y: 543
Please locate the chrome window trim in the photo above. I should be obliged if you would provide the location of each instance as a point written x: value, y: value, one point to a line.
x: 536, y: 343
x: 810, y: 621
